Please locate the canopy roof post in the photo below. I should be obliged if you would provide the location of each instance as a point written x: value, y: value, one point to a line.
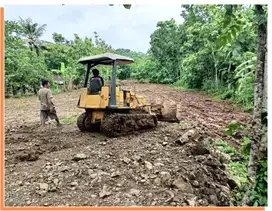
x: 113, y: 87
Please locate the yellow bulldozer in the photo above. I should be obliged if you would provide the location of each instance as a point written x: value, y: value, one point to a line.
x: 112, y: 110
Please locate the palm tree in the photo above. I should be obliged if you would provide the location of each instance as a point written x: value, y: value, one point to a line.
x: 32, y: 32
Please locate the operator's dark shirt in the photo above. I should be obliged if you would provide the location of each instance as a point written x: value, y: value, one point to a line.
x: 102, y: 80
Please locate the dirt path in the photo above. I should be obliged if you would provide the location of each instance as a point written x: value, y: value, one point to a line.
x: 165, y: 167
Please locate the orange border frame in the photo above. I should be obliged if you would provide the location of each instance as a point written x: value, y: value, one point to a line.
x: 2, y: 114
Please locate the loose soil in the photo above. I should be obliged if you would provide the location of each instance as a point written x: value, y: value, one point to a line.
x: 172, y: 165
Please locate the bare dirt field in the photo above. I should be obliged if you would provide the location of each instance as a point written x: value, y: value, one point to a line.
x: 173, y: 165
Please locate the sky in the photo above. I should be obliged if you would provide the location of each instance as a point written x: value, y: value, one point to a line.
x: 119, y: 27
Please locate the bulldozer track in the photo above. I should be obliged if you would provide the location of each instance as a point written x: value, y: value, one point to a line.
x: 115, y: 125
x: 80, y: 122
x: 84, y: 125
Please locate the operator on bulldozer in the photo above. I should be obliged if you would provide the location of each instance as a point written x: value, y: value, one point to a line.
x: 96, y: 82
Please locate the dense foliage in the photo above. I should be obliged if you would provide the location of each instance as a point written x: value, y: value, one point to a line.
x: 202, y: 53
x: 205, y: 53
x: 28, y: 59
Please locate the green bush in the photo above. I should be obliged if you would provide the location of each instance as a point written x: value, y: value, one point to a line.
x: 259, y: 193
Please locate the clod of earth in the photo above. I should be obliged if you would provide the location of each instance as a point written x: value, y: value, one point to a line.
x: 134, y: 192
x: 115, y: 174
x: 148, y: 165
x: 166, y: 178
x: 234, y: 182
x: 126, y: 160
x: 27, y: 156
x: 164, y: 143
x: 199, y: 149
x: 80, y: 156
x: 104, y: 192
x: 183, y: 186
x: 44, y: 186
x: 73, y: 184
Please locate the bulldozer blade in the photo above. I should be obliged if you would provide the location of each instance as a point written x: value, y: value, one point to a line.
x: 168, y: 114
x: 165, y: 113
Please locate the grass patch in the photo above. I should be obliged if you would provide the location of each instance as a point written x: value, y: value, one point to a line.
x: 239, y: 170
x: 220, y: 143
x: 230, y: 150
x: 225, y: 148
x: 56, y: 91
x: 181, y: 123
x: 69, y: 120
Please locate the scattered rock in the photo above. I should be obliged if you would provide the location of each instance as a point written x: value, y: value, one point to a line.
x: 126, y: 160
x: 202, y: 202
x: 44, y: 186
x: 188, y: 136
x: 183, y: 186
x: 134, y: 192
x: 104, y: 192
x: 180, y: 141
x: 137, y: 158
x: 158, y: 164
x: 199, y: 149
x: 90, y: 171
x: 80, y: 156
x: 28, y: 202
x: 148, y: 165
x: 63, y: 168
x: 27, y: 156
x: 93, y: 176
x: 115, y: 174
x: 164, y: 143
x: 224, y: 158
x: 213, y: 199
x: 234, y: 182
x: 195, y: 183
x: 56, y: 181
x: 191, y: 201
x: 53, y: 189
x: 166, y: 178
x: 157, y: 181
x: 144, y: 176
x: 73, y: 184
x: 212, y: 161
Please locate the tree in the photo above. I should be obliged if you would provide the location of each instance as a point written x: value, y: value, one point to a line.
x: 32, y: 32
x: 259, y: 140
x: 58, y: 38
x: 23, y: 68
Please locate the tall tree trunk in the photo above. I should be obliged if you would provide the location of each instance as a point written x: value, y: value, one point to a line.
x: 257, y: 153
x: 216, y: 68
x: 263, y: 144
x: 229, y: 84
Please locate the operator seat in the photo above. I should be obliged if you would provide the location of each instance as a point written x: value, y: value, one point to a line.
x: 95, y: 86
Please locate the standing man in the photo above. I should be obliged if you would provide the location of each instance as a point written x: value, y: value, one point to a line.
x: 47, y: 105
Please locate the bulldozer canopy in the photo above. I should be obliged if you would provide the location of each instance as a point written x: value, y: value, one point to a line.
x: 106, y: 59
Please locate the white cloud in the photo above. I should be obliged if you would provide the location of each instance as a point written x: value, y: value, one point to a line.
x: 119, y: 27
